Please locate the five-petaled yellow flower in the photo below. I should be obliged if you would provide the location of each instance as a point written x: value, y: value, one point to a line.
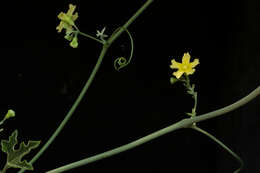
x: 186, y: 66
x: 67, y: 20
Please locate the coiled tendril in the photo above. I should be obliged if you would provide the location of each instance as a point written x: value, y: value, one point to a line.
x: 121, y: 61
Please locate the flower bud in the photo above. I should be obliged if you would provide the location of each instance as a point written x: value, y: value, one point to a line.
x: 9, y: 114
x: 74, y: 42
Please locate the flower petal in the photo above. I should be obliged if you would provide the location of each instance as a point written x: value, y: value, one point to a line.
x: 71, y: 9
x: 195, y: 63
x: 178, y: 74
x: 60, y: 26
x: 190, y: 71
x: 186, y: 58
x: 175, y: 65
x: 61, y: 16
x: 75, y: 16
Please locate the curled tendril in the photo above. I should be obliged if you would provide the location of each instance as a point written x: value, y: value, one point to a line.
x: 121, y: 61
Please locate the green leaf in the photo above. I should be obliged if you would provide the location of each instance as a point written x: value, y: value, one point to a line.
x: 173, y: 80
x: 14, y: 156
x: 192, y: 87
x: 190, y: 92
x: 190, y: 114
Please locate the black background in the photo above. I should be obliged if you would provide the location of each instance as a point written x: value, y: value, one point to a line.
x: 41, y: 76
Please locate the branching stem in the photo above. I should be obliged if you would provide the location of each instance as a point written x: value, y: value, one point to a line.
x: 185, y: 123
x: 222, y: 145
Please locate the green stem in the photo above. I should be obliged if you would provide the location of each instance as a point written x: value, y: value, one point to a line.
x: 195, y: 101
x: 73, y: 108
x: 222, y: 145
x: 187, y: 81
x: 194, y: 95
x: 117, y: 34
x: 227, y: 109
x: 86, y: 35
x: 117, y: 150
x: 89, y: 36
x: 5, y: 168
x: 85, y: 88
x: 2, y: 122
x: 185, y: 123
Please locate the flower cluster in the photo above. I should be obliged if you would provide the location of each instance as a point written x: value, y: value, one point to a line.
x: 67, y: 23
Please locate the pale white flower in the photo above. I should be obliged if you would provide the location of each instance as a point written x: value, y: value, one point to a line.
x: 101, y: 34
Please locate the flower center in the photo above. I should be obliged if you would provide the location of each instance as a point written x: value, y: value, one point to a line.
x: 185, y: 67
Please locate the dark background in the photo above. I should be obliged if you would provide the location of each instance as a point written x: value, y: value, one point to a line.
x: 41, y: 77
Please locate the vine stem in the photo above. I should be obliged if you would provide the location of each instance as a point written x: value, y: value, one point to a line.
x: 5, y: 168
x: 105, y: 47
x: 185, y: 123
x: 222, y: 145
x: 72, y: 110
x: 195, y: 127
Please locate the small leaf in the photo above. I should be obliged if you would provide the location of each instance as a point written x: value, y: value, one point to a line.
x: 190, y: 92
x: 14, y: 156
x: 173, y: 80
x: 190, y: 114
x: 192, y: 87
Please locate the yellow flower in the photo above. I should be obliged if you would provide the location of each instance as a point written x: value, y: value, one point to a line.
x: 186, y: 66
x: 67, y: 20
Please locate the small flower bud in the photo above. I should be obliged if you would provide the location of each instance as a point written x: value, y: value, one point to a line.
x: 173, y: 80
x: 74, y: 42
x: 9, y: 114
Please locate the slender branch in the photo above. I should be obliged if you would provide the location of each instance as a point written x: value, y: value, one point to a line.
x: 86, y: 35
x: 229, y: 108
x: 73, y: 108
x: 190, y: 90
x: 185, y: 123
x: 89, y: 36
x: 132, y: 46
x: 5, y: 168
x: 222, y: 145
x: 117, y: 150
x: 117, y: 34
